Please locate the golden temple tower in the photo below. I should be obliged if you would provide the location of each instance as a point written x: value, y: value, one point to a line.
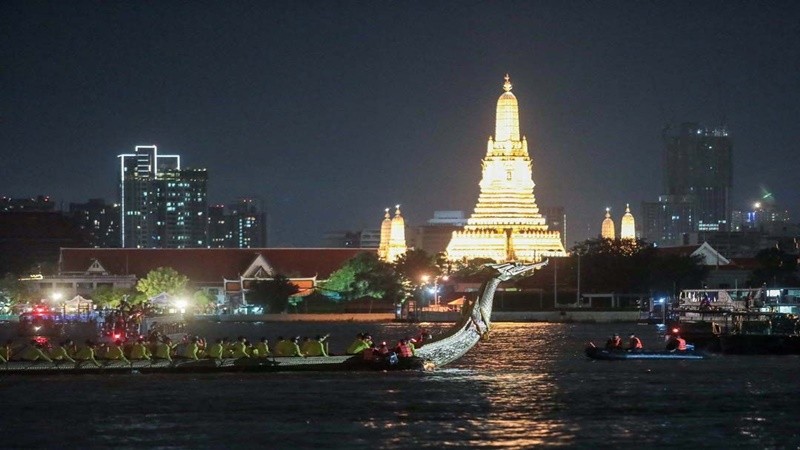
x: 396, y: 245
x: 607, y: 230
x: 506, y: 224
x: 627, y: 229
x: 386, y: 231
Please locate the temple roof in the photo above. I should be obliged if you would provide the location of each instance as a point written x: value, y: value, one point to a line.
x: 209, y: 265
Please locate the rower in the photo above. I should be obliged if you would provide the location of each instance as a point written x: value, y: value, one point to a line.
x: 114, y: 352
x: 262, y: 348
x: 34, y: 353
x: 5, y: 351
x: 316, y: 347
x: 239, y: 348
x: 634, y: 343
x: 163, y: 349
x: 139, y: 351
x: 358, y: 345
x: 216, y: 350
x: 191, y: 349
x: 86, y: 353
x: 62, y: 352
x: 293, y: 347
x: 280, y: 346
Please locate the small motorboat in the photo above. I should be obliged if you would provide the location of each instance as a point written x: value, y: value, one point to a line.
x: 614, y: 355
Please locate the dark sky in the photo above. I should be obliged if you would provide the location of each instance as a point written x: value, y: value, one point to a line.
x: 331, y: 111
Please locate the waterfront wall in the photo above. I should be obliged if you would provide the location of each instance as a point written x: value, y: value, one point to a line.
x: 589, y: 316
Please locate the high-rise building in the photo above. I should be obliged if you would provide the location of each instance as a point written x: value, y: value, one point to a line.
x: 241, y: 224
x: 669, y: 220
x: 99, y: 222
x: 506, y: 224
x: 698, y: 178
x: 161, y: 205
x: 248, y: 223
x: 220, y: 234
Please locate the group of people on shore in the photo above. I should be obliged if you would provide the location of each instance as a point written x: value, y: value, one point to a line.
x: 160, y: 347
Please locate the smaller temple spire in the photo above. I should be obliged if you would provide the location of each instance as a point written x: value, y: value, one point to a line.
x: 507, y: 84
x: 397, y: 236
x: 628, y: 225
x: 386, y: 232
x: 607, y: 230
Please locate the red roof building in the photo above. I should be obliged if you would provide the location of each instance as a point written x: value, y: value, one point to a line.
x: 225, y: 272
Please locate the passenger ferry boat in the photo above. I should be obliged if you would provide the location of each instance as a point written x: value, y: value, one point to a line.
x: 756, y: 321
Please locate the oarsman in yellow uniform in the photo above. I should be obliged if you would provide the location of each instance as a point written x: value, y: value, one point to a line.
x: 6, y: 350
x: 86, y: 353
x: 293, y: 347
x: 316, y: 347
x: 361, y: 343
x: 239, y: 348
x: 304, y: 345
x: 115, y: 352
x: 281, y: 347
x: 62, y: 352
x: 190, y: 352
x: 262, y: 348
x: 216, y: 350
x: 139, y: 351
x: 34, y: 352
x: 163, y: 350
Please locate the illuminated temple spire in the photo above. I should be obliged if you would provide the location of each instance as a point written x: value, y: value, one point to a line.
x: 627, y: 229
x: 607, y: 230
x: 386, y: 231
x: 506, y: 224
x: 397, y: 236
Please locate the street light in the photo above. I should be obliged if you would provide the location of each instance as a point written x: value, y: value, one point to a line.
x: 181, y: 304
x: 56, y: 296
x: 436, y: 287
x: 435, y: 291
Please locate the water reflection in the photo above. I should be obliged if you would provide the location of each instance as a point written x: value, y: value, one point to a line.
x: 528, y: 386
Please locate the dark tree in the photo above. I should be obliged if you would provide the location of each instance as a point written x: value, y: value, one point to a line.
x: 775, y: 268
x: 417, y: 263
x: 365, y: 275
x: 627, y: 266
x: 272, y: 294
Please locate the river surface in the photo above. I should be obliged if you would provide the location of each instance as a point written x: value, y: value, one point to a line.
x: 528, y: 386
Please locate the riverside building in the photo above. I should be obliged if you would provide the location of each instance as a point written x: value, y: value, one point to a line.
x: 506, y: 224
x: 161, y: 204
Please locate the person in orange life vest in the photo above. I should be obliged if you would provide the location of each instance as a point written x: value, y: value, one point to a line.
x: 371, y: 354
x: 676, y: 342
x: 614, y: 342
x: 403, y: 350
x: 634, y: 343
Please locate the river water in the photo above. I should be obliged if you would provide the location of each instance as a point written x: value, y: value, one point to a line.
x: 528, y: 386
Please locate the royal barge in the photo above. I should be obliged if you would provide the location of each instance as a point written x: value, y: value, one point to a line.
x: 474, y: 324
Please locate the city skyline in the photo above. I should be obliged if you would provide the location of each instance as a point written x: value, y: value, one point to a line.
x: 324, y: 111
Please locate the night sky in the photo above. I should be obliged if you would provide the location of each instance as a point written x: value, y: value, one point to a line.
x: 331, y: 111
